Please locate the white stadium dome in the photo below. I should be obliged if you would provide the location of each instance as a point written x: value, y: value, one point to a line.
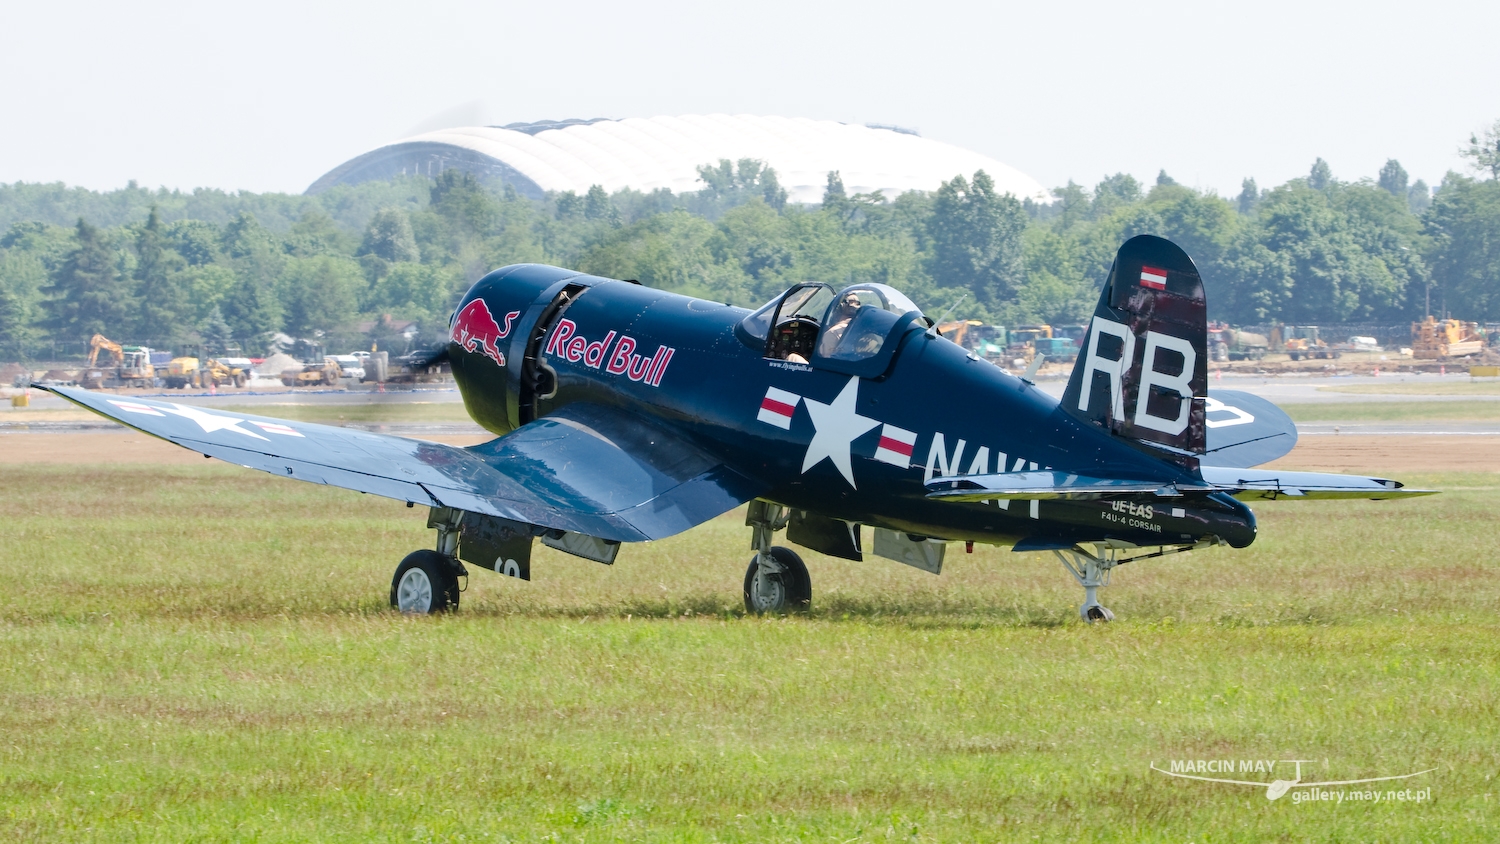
x: 647, y: 154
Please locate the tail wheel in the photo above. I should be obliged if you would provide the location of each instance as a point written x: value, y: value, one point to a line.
x: 778, y: 593
x: 425, y: 582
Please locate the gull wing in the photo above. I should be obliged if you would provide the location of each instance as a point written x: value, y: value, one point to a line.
x: 595, y: 470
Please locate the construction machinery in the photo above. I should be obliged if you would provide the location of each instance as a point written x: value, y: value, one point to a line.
x: 1226, y: 343
x: 99, y: 343
x: 987, y: 341
x: 221, y: 373
x: 1302, y: 341
x: 325, y: 373
x: 1435, y: 339
x: 182, y: 372
x: 132, y: 365
x: 1028, y: 341
x: 1023, y: 341
x: 190, y: 372
x: 1058, y: 349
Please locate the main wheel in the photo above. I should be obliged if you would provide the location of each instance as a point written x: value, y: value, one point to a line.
x: 424, y: 583
x: 1096, y: 612
x: 786, y: 591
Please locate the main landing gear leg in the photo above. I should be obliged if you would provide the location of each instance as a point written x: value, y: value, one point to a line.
x: 427, y: 581
x: 776, y: 581
x: 1091, y: 571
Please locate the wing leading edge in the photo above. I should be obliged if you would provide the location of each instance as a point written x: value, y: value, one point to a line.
x: 589, y: 469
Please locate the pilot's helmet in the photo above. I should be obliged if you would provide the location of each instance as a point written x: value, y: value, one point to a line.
x: 849, y: 301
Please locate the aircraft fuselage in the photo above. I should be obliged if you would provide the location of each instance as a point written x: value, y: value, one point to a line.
x: 528, y: 340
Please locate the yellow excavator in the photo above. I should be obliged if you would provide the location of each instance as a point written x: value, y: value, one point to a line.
x: 132, y: 365
x: 99, y: 343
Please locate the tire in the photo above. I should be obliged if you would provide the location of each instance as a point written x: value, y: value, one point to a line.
x: 424, y: 583
x: 789, y: 591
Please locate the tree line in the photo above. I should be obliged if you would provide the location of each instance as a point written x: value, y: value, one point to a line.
x: 169, y: 268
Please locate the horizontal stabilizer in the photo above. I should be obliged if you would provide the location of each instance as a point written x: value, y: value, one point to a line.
x: 1245, y: 430
x: 1033, y: 486
x: 1252, y: 484
x: 1245, y: 484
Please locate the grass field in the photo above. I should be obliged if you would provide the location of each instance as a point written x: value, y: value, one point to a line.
x: 328, y: 414
x: 204, y: 653
x: 1449, y: 387
x: 334, y: 414
x: 1396, y: 411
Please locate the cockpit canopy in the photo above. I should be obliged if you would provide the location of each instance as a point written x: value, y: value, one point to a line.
x: 855, y: 330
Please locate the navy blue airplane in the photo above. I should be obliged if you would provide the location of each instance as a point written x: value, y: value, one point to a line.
x: 625, y: 414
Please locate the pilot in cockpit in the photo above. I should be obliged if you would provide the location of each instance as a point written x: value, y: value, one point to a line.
x: 849, y: 306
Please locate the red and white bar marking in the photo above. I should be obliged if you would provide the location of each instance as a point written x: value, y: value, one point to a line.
x: 896, y: 445
x: 273, y: 428
x: 135, y: 407
x: 1154, y: 278
x: 777, y: 408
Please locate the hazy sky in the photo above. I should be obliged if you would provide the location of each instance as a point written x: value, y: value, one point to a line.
x: 270, y: 95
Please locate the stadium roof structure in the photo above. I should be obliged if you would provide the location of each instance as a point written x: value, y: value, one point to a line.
x: 665, y: 152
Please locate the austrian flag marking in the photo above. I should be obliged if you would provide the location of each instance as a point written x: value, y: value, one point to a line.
x: 896, y: 445
x: 777, y: 408
x: 1153, y: 278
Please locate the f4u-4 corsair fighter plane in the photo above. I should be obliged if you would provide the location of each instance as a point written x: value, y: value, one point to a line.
x: 626, y: 414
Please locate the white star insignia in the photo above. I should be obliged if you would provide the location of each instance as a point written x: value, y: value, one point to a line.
x: 837, y: 427
x: 209, y: 422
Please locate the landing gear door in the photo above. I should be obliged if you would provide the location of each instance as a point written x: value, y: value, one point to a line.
x: 494, y: 543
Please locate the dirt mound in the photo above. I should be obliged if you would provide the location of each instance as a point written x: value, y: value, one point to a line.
x: 276, y: 364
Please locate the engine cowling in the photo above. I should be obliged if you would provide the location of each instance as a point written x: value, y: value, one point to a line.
x: 494, y: 338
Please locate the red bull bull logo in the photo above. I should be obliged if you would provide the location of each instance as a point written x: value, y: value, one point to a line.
x: 476, y: 331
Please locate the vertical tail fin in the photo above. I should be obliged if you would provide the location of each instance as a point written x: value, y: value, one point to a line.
x: 1143, y: 369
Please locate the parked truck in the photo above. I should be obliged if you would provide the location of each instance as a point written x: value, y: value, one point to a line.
x: 1226, y: 343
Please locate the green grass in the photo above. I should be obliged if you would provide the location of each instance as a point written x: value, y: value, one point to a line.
x: 370, y: 412
x: 1472, y: 387
x: 1396, y: 411
x: 205, y: 654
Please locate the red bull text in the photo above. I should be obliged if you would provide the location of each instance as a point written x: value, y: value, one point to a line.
x: 621, y: 360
